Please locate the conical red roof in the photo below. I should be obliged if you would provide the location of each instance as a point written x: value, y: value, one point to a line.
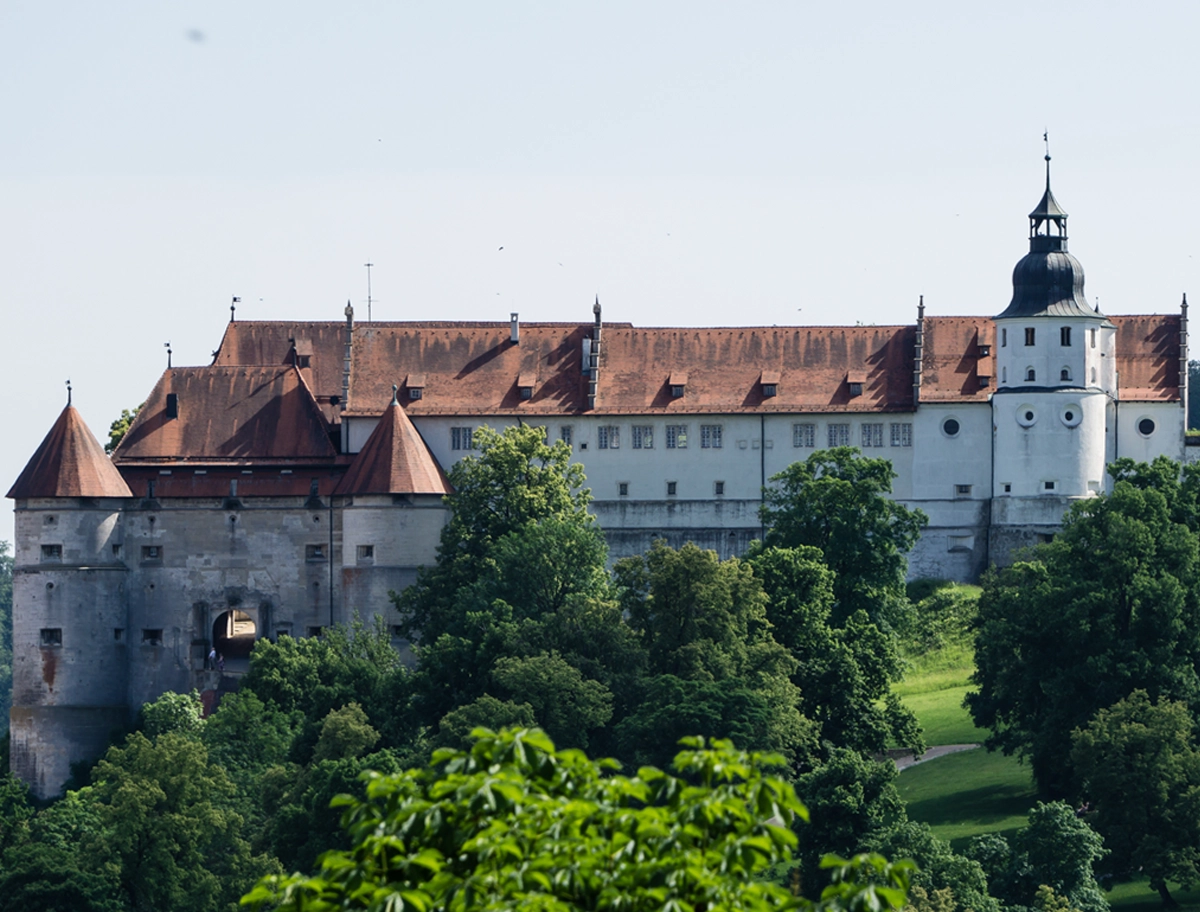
x: 70, y: 463
x: 394, y: 460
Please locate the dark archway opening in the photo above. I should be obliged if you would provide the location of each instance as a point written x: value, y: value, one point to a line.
x: 233, y: 635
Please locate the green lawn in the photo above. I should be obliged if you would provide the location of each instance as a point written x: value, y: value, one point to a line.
x: 1138, y: 897
x: 943, y: 718
x: 964, y: 795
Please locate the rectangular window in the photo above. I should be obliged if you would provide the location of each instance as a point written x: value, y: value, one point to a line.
x: 1093, y: 338
x: 962, y: 490
x: 608, y: 437
x: 1007, y: 487
x: 1049, y: 485
x: 314, y: 552
x: 710, y: 436
x: 118, y: 634
x: 643, y: 437
x: 51, y: 636
x: 1030, y: 335
x: 769, y: 390
x: 838, y: 435
x: 1004, y: 338
x: 51, y: 552
x: 415, y: 392
x: 461, y: 438
x: 1064, y: 335
x: 872, y: 435
x: 719, y: 488
x: 152, y: 554
x: 623, y: 488
x: 313, y: 631
x: 366, y: 554
x: 566, y: 434
x: 152, y: 636
x: 902, y: 434
x: 396, y: 631
x: 672, y: 486
x: 676, y: 436
x: 804, y: 435
x: 116, y: 550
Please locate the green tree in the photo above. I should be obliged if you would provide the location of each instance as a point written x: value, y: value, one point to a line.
x: 120, y: 427
x: 564, y: 702
x: 947, y: 879
x: 173, y: 712
x: 6, y: 657
x: 844, y: 674
x: 517, y: 824
x: 345, y: 734
x: 1139, y: 769
x: 1110, y: 606
x: 1056, y: 850
x: 704, y: 621
x: 170, y: 837
x: 851, y: 800
x: 516, y: 480
x: 838, y: 501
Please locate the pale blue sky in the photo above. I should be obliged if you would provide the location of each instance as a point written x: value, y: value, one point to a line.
x: 693, y: 163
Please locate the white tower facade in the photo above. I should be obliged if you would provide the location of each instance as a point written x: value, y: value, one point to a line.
x: 1054, y: 407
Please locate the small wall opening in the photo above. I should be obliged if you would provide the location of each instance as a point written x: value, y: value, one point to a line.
x: 233, y: 635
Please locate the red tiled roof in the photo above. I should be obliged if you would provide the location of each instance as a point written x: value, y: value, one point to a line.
x: 227, y: 414
x: 952, y: 362
x: 1148, y: 357
x: 70, y: 463
x: 394, y: 460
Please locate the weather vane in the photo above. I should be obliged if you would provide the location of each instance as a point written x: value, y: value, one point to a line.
x: 167, y: 346
x: 68, y: 392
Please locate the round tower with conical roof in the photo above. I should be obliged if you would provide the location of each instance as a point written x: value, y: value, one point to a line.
x: 70, y: 662
x: 1056, y: 385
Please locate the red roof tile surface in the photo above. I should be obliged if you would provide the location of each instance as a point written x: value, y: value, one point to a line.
x: 70, y: 463
x: 228, y: 414
x: 394, y: 460
x: 1148, y: 357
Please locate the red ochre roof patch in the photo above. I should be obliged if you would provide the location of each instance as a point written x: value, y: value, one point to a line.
x: 70, y: 463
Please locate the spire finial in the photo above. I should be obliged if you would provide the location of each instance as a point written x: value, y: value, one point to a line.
x: 233, y: 308
x: 1046, y: 140
x: 596, y: 308
x: 167, y: 346
x: 68, y: 392
x: 395, y: 394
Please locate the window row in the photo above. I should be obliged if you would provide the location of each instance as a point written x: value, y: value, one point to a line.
x: 1064, y: 336
x: 837, y: 434
x: 52, y: 637
x: 718, y: 488
x: 712, y: 436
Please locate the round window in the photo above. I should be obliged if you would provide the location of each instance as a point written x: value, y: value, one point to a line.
x: 1026, y: 416
x: 1072, y: 415
x: 950, y: 427
x: 1146, y: 427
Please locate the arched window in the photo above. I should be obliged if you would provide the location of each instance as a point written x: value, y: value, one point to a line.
x: 1030, y: 375
x: 1064, y: 374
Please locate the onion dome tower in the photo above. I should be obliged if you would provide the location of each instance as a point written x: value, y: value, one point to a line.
x: 1056, y: 384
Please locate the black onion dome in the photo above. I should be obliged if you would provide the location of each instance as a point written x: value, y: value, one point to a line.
x: 1048, y: 281
x: 1048, y: 284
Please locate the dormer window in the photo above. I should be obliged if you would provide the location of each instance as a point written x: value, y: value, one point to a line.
x: 769, y: 382
x: 855, y: 380
x: 304, y: 350
x: 416, y: 386
x: 984, y: 349
x: 525, y: 384
x: 678, y: 383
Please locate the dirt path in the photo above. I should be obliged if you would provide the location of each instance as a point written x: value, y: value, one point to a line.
x: 903, y: 763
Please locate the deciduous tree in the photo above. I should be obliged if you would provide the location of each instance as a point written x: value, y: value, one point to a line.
x: 839, y: 502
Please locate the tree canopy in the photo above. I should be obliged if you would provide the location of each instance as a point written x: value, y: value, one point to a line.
x: 1110, y: 606
x: 515, y: 823
x: 838, y: 501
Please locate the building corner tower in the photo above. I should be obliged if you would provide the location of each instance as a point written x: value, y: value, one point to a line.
x: 1053, y: 411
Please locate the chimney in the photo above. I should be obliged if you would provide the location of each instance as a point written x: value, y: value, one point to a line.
x: 515, y: 325
x: 594, y: 356
x: 346, y: 358
x: 919, y: 352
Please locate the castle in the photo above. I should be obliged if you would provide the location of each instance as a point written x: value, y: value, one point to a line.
x: 299, y: 477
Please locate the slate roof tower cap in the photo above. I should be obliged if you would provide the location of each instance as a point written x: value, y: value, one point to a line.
x: 1048, y: 281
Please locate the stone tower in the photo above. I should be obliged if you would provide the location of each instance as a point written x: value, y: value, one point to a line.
x: 70, y: 625
x: 1053, y: 409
